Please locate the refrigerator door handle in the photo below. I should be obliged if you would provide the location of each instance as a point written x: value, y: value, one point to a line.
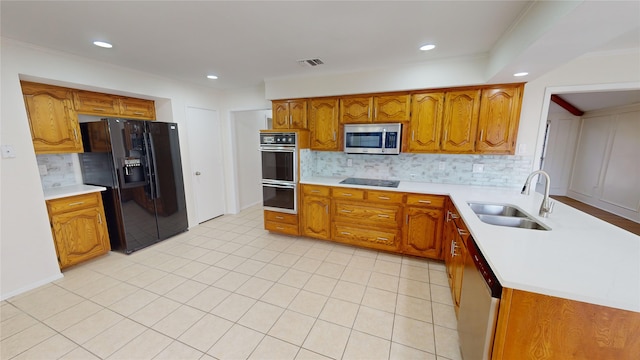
x: 150, y: 165
x: 156, y: 187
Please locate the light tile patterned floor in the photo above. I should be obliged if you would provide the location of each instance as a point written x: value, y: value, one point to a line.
x: 228, y: 289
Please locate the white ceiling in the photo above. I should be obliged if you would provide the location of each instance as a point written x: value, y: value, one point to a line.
x: 248, y: 42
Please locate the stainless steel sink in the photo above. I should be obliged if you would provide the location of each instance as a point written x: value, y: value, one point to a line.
x: 496, y: 209
x: 505, y: 215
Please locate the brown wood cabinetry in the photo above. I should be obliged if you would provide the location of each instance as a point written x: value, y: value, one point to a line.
x: 455, y: 236
x: 92, y: 103
x: 316, y: 203
x: 425, y: 128
x: 79, y: 228
x: 289, y: 114
x: 422, y: 232
x: 536, y: 326
x: 380, y: 108
x: 367, y: 218
x: 324, y: 129
x: 281, y: 222
x: 498, y: 121
x: 460, y: 122
x: 52, y: 119
x: 133, y: 108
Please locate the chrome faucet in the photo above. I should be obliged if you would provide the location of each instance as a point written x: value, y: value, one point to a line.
x: 547, y: 205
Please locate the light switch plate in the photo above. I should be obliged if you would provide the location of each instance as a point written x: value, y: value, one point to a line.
x: 478, y: 168
x: 8, y: 151
x: 43, y: 169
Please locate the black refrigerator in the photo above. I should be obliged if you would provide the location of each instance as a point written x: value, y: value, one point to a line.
x: 139, y: 163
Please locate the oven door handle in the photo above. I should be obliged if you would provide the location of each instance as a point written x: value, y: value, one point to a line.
x: 278, y: 149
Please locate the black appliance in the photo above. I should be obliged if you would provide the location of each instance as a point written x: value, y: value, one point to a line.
x: 279, y: 171
x: 139, y: 163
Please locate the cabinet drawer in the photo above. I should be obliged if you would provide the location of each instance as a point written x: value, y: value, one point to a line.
x: 379, y: 215
x: 315, y: 190
x: 425, y: 200
x: 289, y: 229
x: 281, y: 217
x: 73, y: 203
x: 347, y: 193
x: 372, y: 238
x: 384, y: 196
x: 87, y: 102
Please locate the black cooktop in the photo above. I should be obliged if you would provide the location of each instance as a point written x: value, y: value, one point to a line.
x: 371, y: 182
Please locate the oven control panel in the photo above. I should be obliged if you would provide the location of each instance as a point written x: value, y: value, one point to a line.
x: 288, y: 138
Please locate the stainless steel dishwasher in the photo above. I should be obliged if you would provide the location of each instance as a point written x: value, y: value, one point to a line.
x: 479, y: 302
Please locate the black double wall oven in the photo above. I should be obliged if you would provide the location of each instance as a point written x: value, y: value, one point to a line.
x: 279, y: 171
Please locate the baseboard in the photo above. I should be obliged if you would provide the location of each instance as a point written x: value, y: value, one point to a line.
x: 31, y: 286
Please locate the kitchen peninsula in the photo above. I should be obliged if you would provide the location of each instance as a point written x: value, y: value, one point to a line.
x: 572, y: 289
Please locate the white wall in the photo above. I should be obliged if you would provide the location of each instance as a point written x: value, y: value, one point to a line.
x: 246, y: 125
x: 561, y: 145
x: 606, y: 171
x: 27, y: 255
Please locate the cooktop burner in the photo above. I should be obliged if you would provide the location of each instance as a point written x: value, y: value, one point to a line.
x: 371, y: 182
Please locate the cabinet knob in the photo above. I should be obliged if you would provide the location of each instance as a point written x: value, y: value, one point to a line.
x: 198, y: 173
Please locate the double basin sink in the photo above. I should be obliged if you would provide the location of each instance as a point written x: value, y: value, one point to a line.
x: 505, y: 215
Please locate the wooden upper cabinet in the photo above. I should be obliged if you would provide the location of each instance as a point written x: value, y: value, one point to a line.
x: 134, y: 108
x: 52, y: 119
x: 92, y: 103
x: 356, y: 110
x: 499, y: 118
x: 461, y: 110
x: 367, y: 109
x: 426, y: 122
x: 323, y: 124
x: 392, y: 108
x: 289, y: 114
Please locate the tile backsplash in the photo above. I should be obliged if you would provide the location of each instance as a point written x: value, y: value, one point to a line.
x: 62, y: 170
x: 498, y: 170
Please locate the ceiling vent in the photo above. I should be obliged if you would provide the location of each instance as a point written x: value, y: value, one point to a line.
x: 310, y: 62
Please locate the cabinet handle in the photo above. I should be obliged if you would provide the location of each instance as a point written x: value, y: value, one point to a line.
x: 384, y: 198
x: 279, y: 217
x: 75, y: 134
x: 463, y: 232
x: 347, y: 194
x: 315, y: 191
x: 76, y: 203
x: 345, y: 233
x: 448, y: 216
x: 369, y: 113
x: 326, y: 209
x: 383, y: 238
x: 334, y: 136
x: 481, y: 133
x: 375, y: 113
x: 383, y: 216
x: 444, y: 137
x: 413, y: 135
x: 454, y: 246
x: 424, y: 201
x: 138, y: 113
x: 279, y: 228
x: 455, y: 216
x: 98, y: 109
x: 346, y: 211
x: 406, y: 219
x: 290, y: 120
x: 99, y: 218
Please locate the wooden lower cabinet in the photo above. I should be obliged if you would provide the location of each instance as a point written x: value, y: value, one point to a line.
x: 422, y: 230
x: 455, y: 236
x: 281, y: 222
x: 316, y: 222
x: 374, y: 238
x: 79, y: 228
x: 541, y: 327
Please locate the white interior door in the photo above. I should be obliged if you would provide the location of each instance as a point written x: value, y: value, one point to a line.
x: 205, y: 148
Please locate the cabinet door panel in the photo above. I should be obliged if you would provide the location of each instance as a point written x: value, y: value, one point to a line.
x: 80, y: 235
x: 391, y: 108
x: 355, y: 110
x: 371, y: 238
x: 379, y: 215
x: 298, y: 114
x: 426, y: 122
x: 423, y: 232
x: 87, y: 102
x: 137, y: 108
x: 280, y: 114
x: 498, y: 122
x: 323, y: 124
x: 54, y: 123
x: 461, y: 109
x: 315, y: 217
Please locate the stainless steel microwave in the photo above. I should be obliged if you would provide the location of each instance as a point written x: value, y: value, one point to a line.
x: 372, y: 138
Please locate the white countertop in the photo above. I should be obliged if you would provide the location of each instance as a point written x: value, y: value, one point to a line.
x: 581, y: 258
x: 71, y: 190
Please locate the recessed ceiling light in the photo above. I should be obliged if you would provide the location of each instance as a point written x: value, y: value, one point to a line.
x: 212, y: 77
x: 102, y: 44
x: 518, y: 74
x: 427, y: 47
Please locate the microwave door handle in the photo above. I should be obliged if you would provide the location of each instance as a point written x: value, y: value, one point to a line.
x: 384, y: 139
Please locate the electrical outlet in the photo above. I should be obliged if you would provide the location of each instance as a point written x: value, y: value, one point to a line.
x: 442, y: 165
x: 8, y: 151
x: 43, y: 169
x: 522, y: 149
x: 349, y: 162
x: 478, y: 168
x: 413, y: 176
